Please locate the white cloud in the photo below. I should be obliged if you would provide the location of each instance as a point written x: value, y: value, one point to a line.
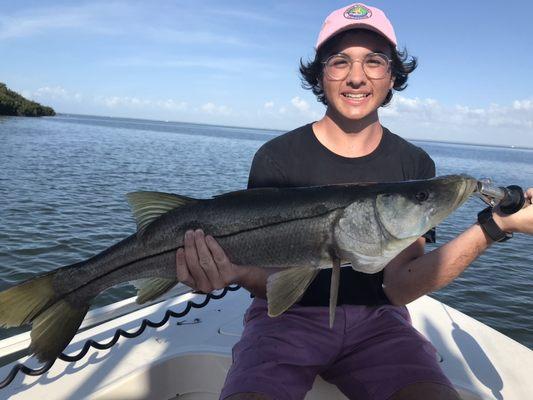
x: 427, y: 118
x: 198, y: 24
x: 412, y: 106
x: 233, y: 65
x: 209, y: 108
x: 170, y: 104
x: 296, y: 111
x: 523, y: 104
x: 212, y: 108
x: 93, y: 17
x: 133, y: 102
x: 300, y: 104
x: 51, y: 94
x: 125, y: 101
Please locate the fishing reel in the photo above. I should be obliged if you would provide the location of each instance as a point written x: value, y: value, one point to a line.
x: 510, y: 199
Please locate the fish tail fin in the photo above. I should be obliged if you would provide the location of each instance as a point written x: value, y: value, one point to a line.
x: 54, y: 318
x: 20, y: 304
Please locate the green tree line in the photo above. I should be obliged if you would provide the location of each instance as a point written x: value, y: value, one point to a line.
x: 12, y: 103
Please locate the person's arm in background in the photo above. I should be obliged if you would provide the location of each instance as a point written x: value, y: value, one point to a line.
x: 418, y: 274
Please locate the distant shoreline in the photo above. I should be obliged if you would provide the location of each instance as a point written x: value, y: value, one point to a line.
x: 499, y: 146
x: 283, y: 131
x: 14, y: 104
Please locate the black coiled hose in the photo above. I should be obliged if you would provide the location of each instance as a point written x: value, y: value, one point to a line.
x: 118, y: 333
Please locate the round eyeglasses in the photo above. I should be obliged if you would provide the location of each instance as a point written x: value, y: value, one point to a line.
x: 375, y: 66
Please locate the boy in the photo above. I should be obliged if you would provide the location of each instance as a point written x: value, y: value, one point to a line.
x: 372, y: 352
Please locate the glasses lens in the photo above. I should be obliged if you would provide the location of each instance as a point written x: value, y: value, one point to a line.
x: 376, y: 66
x: 337, y: 67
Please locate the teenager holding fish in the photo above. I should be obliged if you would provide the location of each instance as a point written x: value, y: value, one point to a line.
x: 372, y: 351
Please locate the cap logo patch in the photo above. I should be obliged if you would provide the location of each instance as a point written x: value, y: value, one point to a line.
x: 357, y: 11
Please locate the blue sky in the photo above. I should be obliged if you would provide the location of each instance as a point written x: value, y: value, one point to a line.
x: 236, y: 63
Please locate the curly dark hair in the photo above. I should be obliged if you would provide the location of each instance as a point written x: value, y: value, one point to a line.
x: 312, y: 71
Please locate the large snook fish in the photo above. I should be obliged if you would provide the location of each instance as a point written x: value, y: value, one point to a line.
x: 303, y: 229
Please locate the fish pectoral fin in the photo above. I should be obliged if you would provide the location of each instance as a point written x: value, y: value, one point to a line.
x: 148, y: 206
x: 152, y: 288
x: 286, y: 287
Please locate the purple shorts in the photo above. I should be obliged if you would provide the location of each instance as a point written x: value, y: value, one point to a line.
x: 370, y: 353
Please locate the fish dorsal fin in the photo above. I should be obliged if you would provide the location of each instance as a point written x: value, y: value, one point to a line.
x: 148, y: 206
x: 285, y: 288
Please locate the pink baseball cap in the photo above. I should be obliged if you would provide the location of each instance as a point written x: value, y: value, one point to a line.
x: 357, y: 15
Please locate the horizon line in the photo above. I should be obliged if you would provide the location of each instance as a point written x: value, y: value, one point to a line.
x: 518, y: 147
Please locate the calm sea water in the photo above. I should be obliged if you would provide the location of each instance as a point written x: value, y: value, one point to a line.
x: 63, y: 180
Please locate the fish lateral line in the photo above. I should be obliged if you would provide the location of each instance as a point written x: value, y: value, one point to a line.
x: 173, y: 249
x: 267, y: 225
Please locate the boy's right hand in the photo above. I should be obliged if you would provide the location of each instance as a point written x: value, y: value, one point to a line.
x: 204, y: 266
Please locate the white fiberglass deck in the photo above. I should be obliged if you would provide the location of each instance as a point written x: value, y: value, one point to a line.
x: 190, y: 360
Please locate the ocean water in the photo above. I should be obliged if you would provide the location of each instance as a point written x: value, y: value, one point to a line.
x: 63, y: 180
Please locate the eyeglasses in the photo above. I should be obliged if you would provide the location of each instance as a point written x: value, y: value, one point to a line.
x: 375, y: 66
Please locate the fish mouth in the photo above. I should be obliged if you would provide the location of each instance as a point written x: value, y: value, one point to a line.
x: 466, y: 186
x: 469, y: 187
x: 457, y: 190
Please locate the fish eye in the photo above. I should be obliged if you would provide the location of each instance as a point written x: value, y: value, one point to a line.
x: 422, y: 196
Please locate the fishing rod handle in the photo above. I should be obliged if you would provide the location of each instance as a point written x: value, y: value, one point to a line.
x: 510, y: 199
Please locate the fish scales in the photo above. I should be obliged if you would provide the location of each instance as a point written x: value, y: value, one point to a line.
x: 303, y: 229
x: 222, y: 217
x: 293, y: 242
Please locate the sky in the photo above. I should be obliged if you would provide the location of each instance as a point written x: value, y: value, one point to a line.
x: 236, y: 63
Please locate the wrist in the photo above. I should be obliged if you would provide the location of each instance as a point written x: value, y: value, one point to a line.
x: 493, y: 225
x: 243, y: 275
x: 502, y: 222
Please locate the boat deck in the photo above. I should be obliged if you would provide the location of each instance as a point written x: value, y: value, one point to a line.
x: 188, y: 358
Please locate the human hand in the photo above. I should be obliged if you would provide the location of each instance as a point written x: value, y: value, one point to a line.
x: 203, y: 265
x: 521, y: 221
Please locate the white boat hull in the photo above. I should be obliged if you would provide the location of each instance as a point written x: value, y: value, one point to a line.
x: 190, y: 360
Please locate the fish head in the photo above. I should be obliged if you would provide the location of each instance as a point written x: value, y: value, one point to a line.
x: 376, y: 227
x: 412, y: 208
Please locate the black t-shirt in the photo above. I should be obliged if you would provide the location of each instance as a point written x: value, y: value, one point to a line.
x: 297, y: 158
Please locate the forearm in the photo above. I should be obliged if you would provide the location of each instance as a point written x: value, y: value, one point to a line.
x: 254, y: 279
x: 436, y: 269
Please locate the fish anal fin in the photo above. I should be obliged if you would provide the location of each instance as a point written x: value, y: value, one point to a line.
x: 152, y: 288
x: 286, y: 287
x: 148, y: 206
